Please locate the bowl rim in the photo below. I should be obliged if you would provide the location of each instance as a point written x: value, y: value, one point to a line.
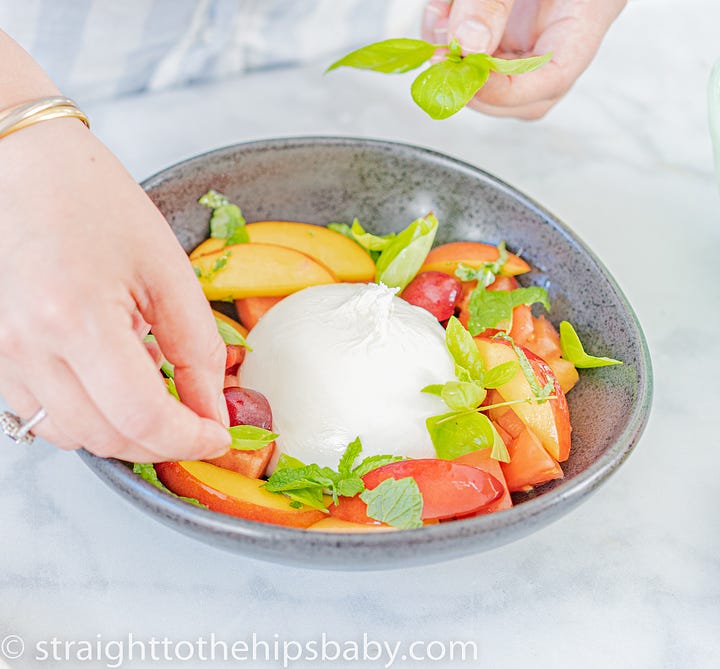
x: 118, y: 475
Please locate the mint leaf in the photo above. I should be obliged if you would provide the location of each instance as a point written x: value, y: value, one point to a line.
x: 375, y: 461
x: 226, y: 221
x: 460, y: 395
x: 516, y: 65
x: 490, y: 308
x: 397, y: 502
x: 250, y: 437
x: 147, y: 472
x: 230, y: 335
x: 404, y: 255
x: 574, y: 352
x: 459, y: 432
x: 391, y: 56
x: 500, y: 375
x: 463, y: 349
x: 446, y: 87
x: 347, y: 460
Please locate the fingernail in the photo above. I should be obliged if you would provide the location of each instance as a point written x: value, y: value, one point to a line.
x: 474, y: 36
x: 217, y: 433
x: 223, y: 410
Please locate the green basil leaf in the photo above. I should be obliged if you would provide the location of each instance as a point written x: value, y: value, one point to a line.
x: 312, y: 497
x: 517, y: 65
x: 226, y: 221
x: 349, y: 487
x: 391, y: 56
x: 369, y: 241
x: 375, y: 461
x: 250, y: 437
x: 404, y: 255
x: 459, y: 432
x: 574, y: 352
x: 230, y: 335
x: 500, y: 375
x: 464, y: 351
x: 347, y: 460
x: 460, y: 395
x: 147, y: 472
x: 491, y: 308
x: 397, y: 502
x: 433, y: 389
x: 446, y: 87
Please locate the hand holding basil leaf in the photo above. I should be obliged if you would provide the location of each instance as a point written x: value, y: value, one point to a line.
x: 445, y: 87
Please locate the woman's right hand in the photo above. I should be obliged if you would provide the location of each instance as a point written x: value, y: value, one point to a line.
x: 88, y: 262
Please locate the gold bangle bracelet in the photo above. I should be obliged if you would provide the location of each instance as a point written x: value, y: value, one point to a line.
x: 43, y: 109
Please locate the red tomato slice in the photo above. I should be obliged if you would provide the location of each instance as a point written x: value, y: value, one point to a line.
x: 449, y: 489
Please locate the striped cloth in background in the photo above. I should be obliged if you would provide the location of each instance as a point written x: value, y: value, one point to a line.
x: 95, y: 49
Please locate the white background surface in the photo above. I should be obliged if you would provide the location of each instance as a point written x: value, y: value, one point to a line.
x: 632, y: 577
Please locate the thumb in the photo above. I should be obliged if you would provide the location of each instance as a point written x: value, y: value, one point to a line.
x: 479, y: 24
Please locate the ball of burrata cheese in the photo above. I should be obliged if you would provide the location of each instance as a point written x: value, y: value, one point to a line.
x: 347, y: 360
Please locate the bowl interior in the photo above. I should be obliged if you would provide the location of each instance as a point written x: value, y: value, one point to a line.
x: 386, y: 186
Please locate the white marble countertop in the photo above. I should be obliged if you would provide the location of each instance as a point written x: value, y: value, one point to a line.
x: 629, y: 579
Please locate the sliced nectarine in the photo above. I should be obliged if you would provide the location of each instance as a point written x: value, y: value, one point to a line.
x: 447, y: 257
x: 482, y: 460
x: 248, y: 270
x: 251, y: 309
x: 347, y: 260
x: 234, y: 494
x: 530, y: 464
x: 549, y: 420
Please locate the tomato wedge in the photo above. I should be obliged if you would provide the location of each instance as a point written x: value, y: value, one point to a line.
x: 449, y: 489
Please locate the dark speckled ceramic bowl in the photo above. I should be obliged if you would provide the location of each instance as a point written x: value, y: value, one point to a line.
x: 387, y: 185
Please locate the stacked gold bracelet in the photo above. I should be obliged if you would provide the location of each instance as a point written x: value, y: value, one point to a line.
x: 42, y: 109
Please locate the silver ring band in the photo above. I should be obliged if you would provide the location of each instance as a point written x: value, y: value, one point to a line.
x: 17, y: 429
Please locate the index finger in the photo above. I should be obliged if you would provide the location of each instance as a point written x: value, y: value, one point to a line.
x: 129, y: 392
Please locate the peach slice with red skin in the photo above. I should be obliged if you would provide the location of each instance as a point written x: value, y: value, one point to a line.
x: 447, y: 257
x: 234, y: 494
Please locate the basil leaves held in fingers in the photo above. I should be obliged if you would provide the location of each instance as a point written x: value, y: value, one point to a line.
x: 391, y: 56
x: 445, y: 87
x: 573, y: 350
x: 250, y: 437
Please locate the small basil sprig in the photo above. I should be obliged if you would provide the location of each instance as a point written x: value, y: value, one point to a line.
x: 445, y: 87
x: 227, y: 221
x: 574, y: 352
x: 373, y: 244
x: 486, y: 273
x: 466, y: 428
